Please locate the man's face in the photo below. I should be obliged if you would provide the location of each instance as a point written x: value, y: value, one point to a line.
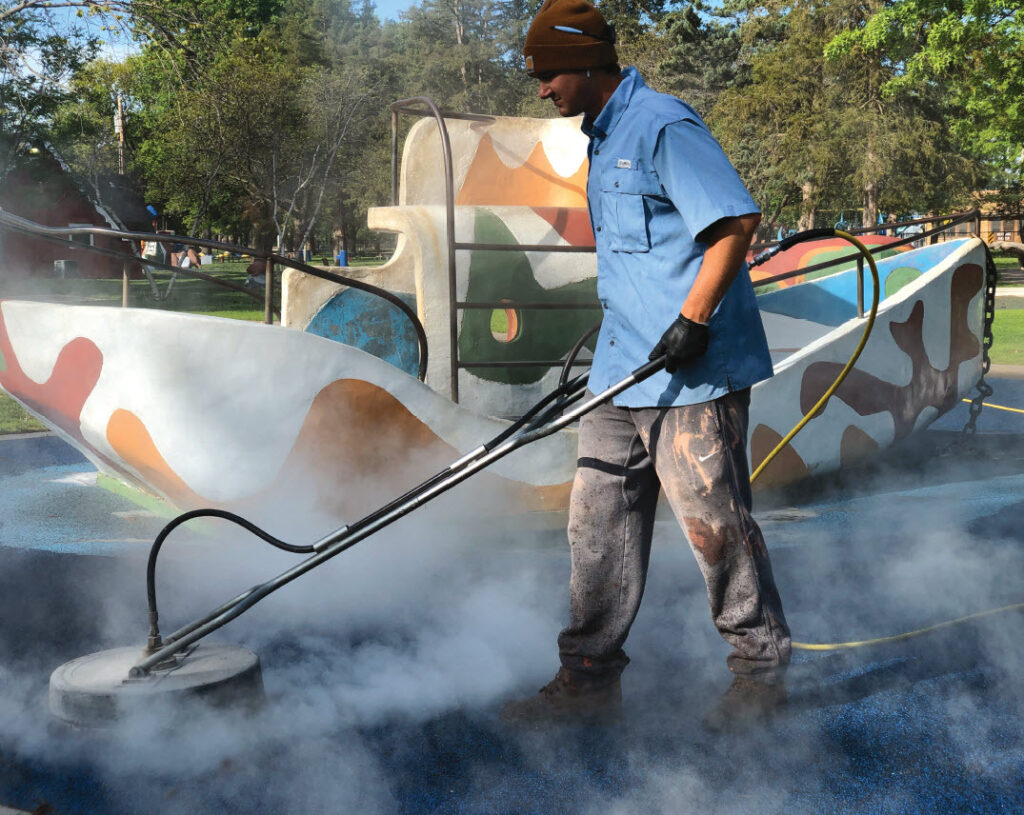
x: 572, y: 92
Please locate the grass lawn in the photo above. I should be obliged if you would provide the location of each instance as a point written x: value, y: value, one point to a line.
x: 187, y: 294
x: 1008, y: 337
x: 13, y: 419
x: 1006, y: 262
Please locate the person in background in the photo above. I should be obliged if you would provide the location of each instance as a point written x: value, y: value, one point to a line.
x: 256, y: 273
x: 672, y: 224
x: 184, y: 256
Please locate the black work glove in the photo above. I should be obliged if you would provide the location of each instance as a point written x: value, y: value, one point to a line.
x: 684, y: 342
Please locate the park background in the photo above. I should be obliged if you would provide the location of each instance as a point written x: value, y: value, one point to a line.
x: 265, y: 123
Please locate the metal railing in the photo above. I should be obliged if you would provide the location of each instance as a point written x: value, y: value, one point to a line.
x: 61, y: 235
x: 945, y: 222
x: 424, y: 107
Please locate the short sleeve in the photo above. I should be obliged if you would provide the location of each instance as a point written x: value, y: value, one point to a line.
x: 698, y: 177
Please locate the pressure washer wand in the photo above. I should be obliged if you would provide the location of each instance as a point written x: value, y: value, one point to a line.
x: 348, y: 536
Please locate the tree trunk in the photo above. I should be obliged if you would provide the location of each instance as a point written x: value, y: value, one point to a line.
x: 871, y: 173
x: 808, y: 191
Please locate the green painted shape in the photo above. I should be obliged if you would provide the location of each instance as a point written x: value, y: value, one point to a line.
x: 3, y: 363
x: 543, y: 334
x: 900, y: 277
x: 158, y: 506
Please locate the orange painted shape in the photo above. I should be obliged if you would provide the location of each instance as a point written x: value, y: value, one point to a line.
x: 61, y: 397
x: 131, y: 441
x: 490, y: 181
x: 571, y: 223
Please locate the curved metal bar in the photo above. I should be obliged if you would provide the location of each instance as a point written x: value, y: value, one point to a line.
x: 449, y: 227
x: 394, y: 299
x: 954, y: 218
x: 128, y: 235
x: 156, y: 264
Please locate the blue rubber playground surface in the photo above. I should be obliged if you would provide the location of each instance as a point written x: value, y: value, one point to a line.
x: 385, y: 668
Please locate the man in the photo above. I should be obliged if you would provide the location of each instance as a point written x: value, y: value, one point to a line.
x: 672, y: 224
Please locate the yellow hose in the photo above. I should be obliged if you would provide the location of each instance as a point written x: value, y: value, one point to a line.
x: 997, y: 407
x: 819, y: 406
x: 906, y: 635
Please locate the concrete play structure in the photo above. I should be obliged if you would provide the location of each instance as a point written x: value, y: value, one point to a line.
x: 324, y: 417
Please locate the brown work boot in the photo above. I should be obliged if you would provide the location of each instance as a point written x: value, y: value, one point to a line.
x: 564, y: 701
x: 749, y: 700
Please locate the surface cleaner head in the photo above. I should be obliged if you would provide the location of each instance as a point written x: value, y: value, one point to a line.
x: 95, y: 689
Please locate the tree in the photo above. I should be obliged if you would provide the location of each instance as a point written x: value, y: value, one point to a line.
x: 810, y: 132
x: 972, y: 50
x: 701, y: 55
x: 36, y: 63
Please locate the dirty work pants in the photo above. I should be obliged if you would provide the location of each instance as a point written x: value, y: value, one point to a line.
x: 697, y: 454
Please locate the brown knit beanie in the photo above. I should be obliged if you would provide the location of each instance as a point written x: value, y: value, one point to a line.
x: 568, y: 35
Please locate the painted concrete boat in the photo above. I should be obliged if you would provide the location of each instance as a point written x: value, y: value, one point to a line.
x: 323, y: 418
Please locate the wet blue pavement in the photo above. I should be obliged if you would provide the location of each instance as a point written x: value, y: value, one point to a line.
x: 384, y: 674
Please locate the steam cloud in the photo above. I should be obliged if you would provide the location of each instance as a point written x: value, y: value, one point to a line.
x: 385, y: 669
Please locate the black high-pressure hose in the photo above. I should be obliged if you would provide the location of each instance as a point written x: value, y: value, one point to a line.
x: 566, y: 394
x: 155, y: 642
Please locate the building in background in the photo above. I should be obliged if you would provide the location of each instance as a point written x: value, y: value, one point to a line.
x: 42, y: 188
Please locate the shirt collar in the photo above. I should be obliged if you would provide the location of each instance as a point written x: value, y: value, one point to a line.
x: 605, y: 121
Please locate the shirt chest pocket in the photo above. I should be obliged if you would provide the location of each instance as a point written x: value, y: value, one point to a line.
x: 630, y: 196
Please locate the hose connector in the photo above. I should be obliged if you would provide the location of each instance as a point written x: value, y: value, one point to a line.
x: 154, y: 642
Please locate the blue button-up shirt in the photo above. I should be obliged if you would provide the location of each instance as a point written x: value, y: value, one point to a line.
x: 657, y: 180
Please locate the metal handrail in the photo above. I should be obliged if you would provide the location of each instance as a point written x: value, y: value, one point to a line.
x: 959, y: 217
x: 402, y: 106
x: 453, y: 246
x: 953, y: 220
x: 17, y: 223
x: 5, y: 222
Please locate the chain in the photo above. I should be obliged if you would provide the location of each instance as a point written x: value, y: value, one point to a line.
x: 983, y: 388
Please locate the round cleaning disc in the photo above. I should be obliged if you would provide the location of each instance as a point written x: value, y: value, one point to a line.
x: 95, y: 689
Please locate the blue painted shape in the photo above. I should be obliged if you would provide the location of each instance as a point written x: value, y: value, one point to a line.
x: 832, y: 300
x: 371, y: 324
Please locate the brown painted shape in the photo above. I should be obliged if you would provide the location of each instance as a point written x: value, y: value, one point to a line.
x: 489, y: 181
x: 928, y: 386
x: 854, y: 445
x: 785, y: 467
x: 366, y: 447
x: 712, y: 543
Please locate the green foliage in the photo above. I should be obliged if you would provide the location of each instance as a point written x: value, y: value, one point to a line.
x: 809, y: 132
x: 266, y: 121
x: 35, y: 62
x: 973, y: 51
x: 701, y: 59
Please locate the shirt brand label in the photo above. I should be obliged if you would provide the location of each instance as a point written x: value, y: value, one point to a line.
x: 624, y: 164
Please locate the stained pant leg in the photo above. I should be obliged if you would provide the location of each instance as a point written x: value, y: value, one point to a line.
x: 699, y: 452
x: 611, y: 520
